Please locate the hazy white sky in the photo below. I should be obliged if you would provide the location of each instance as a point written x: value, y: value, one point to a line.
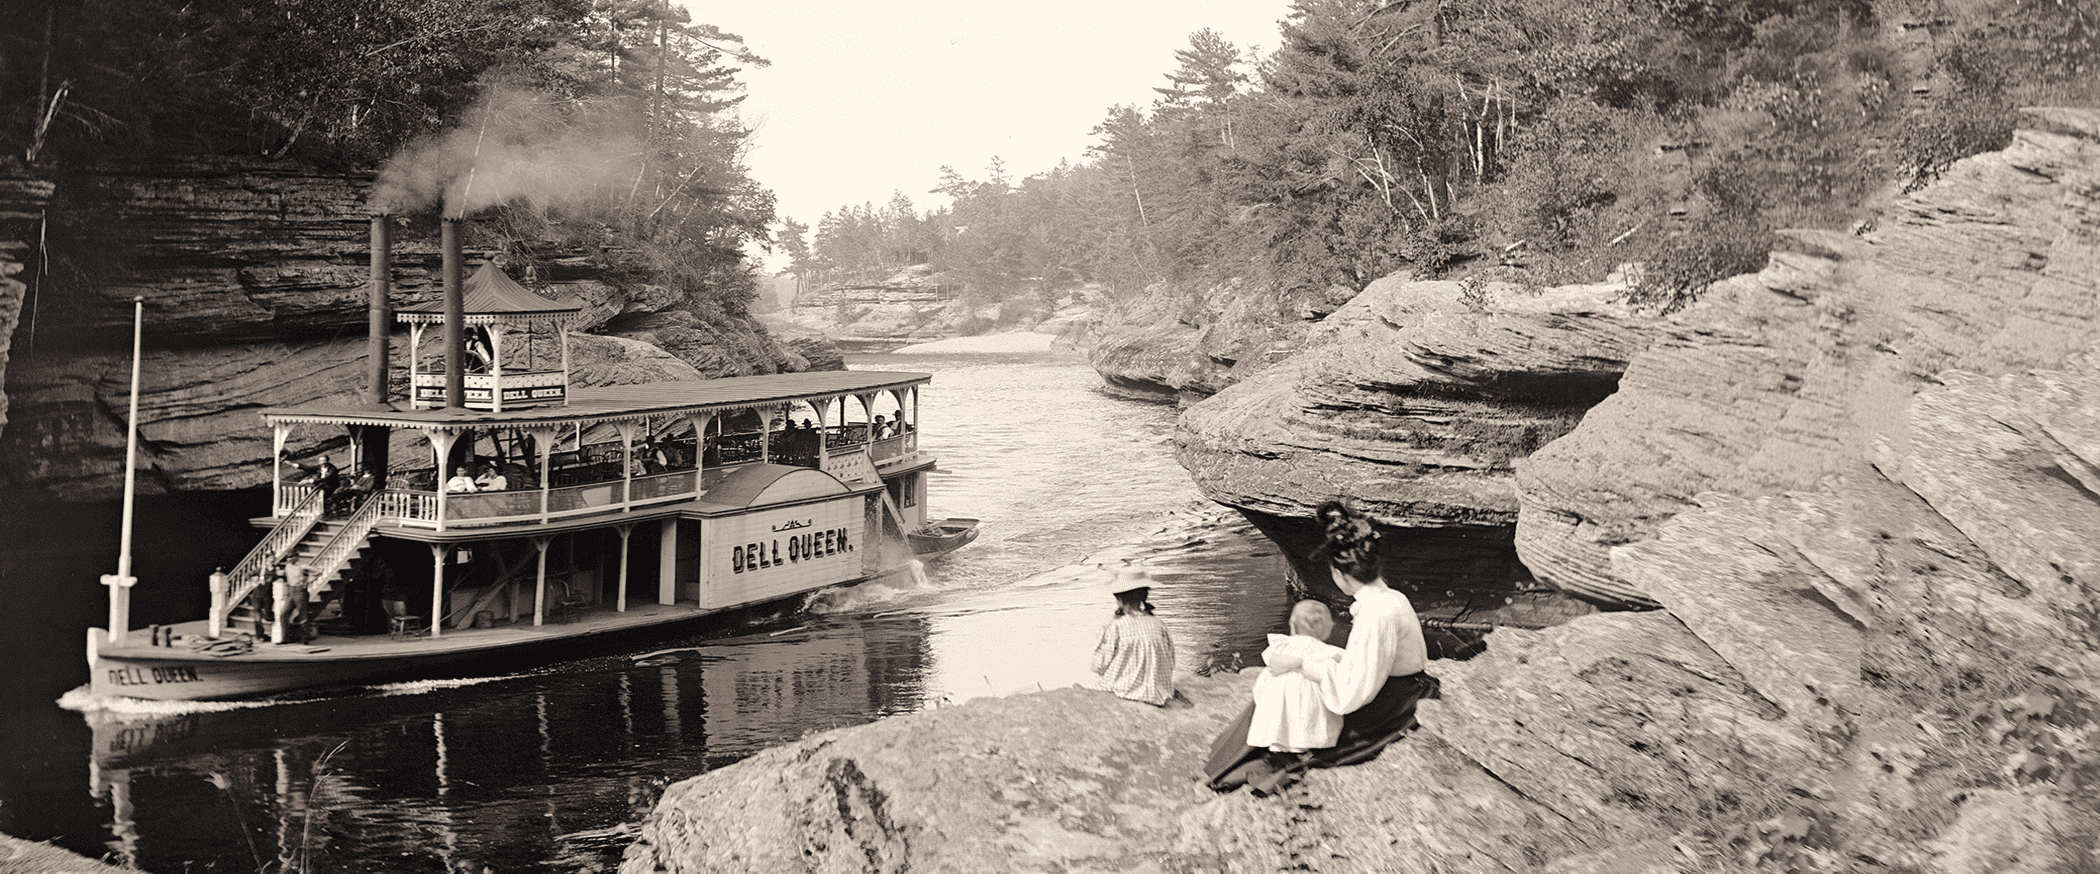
x: 866, y: 98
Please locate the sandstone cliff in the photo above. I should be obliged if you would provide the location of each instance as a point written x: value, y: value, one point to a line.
x: 1775, y: 381
x: 1414, y: 399
x: 1876, y: 651
x: 254, y: 276
x: 1183, y: 346
x: 913, y: 306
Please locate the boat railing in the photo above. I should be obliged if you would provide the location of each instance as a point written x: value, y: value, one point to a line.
x: 346, y: 542
x: 289, y: 495
x: 886, y: 448
x: 408, y: 505
x: 473, y: 509
x: 257, y: 567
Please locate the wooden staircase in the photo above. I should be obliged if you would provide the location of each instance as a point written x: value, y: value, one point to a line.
x: 331, y: 549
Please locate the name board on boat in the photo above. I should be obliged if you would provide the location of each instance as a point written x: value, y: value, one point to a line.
x: 774, y: 553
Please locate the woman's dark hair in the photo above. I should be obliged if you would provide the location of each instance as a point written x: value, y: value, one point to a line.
x: 1348, y: 542
x: 1134, y: 602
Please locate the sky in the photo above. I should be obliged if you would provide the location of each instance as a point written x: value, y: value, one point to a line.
x: 867, y: 98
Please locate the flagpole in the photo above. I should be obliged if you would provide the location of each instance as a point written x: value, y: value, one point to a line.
x: 120, y: 583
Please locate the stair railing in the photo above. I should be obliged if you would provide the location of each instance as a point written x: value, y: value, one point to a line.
x: 347, y: 541
x: 255, y: 569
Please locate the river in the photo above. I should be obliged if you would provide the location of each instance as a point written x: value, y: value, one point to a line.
x: 549, y: 769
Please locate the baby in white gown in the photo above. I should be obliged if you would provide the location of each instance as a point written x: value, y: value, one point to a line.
x: 1275, y: 695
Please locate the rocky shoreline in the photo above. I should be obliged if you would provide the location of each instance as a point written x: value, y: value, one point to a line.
x: 1860, y: 488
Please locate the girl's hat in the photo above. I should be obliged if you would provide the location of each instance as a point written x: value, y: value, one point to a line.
x: 1128, y: 577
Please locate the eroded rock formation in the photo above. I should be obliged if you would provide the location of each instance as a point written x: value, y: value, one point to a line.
x: 1775, y: 381
x: 254, y: 275
x: 912, y: 306
x: 1414, y: 399
x: 1161, y: 347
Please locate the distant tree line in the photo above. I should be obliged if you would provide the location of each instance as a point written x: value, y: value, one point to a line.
x: 347, y: 83
x: 1549, y: 139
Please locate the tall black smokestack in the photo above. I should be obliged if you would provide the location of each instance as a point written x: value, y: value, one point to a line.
x: 455, y: 319
x: 376, y: 326
x: 373, y: 439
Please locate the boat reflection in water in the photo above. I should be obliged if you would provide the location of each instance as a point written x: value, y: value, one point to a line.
x: 546, y: 770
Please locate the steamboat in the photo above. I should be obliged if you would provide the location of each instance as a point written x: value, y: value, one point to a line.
x: 500, y: 511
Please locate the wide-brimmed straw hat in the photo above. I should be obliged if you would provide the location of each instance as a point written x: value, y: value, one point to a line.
x: 1127, y: 577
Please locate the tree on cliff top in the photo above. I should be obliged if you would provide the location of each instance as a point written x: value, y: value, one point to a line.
x: 350, y: 82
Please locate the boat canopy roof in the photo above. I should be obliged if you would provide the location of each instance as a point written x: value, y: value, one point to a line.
x: 491, y: 296
x: 619, y: 402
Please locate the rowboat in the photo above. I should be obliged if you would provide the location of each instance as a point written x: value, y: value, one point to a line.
x: 602, y: 511
x: 940, y: 538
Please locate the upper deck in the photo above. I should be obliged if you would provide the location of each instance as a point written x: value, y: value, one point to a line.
x: 620, y: 402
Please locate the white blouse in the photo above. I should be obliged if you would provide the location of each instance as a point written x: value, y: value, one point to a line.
x: 1384, y: 641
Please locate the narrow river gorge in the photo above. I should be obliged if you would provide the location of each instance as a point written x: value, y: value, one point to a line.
x: 549, y: 768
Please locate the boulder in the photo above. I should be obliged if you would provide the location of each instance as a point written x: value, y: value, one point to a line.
x: 1415, y: 399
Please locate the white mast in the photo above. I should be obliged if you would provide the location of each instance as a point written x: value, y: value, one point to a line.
x: 120, y: 583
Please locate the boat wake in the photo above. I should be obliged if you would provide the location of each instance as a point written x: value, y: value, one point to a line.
x: 81, y: 700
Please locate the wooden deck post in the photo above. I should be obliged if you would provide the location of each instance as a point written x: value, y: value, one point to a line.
x: 441, y: 444
x: 438, y: 552
x: 667, y: 567
x: 277, y: 508
x: 539, y: 592
x: 626, y: 531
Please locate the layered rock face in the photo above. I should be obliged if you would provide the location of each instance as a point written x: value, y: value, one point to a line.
x: 912, y: 306
x: 1775, y: 381
x: 254, y: 277
x: 1877, y: 647
x: 1162, y: 348
x: 1414, y: 399
x: 22, y: 202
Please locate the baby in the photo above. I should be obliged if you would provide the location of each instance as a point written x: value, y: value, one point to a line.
x: 1316, y: 727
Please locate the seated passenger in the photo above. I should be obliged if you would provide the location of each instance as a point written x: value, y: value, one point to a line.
x: 461, y: 483
x: 491, y: 480
x: 878, y: 430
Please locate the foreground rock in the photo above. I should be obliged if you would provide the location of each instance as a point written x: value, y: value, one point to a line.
x: 18, y: 856
x: 1776, y: 381
x: 1414, y: 399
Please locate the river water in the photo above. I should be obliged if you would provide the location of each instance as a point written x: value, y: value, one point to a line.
x: 549, y: 769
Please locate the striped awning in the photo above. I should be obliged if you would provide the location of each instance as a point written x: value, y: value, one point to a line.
x: 618, y: 403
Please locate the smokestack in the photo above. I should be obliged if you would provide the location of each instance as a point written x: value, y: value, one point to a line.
x: 376, y: 326
x: 455, y: 319
x: 374, y: 439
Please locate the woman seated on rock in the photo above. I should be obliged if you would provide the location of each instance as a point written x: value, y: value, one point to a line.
x: 1374, y: 685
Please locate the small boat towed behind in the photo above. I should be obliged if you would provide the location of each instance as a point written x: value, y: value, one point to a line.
x: 940, y: 538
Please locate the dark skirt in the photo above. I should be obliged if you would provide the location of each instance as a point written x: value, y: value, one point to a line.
x: 1387, y: 717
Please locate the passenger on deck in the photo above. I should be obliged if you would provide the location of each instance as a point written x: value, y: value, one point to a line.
x: 491, y: 480
x: 879, y: 430
x: 1135, y: 656
x: 1375, y: 685
x: 364, y: 486
x: 461, y: 483
x: 323, y: 476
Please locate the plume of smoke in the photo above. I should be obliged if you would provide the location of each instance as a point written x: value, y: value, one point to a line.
x: 514, y: 144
